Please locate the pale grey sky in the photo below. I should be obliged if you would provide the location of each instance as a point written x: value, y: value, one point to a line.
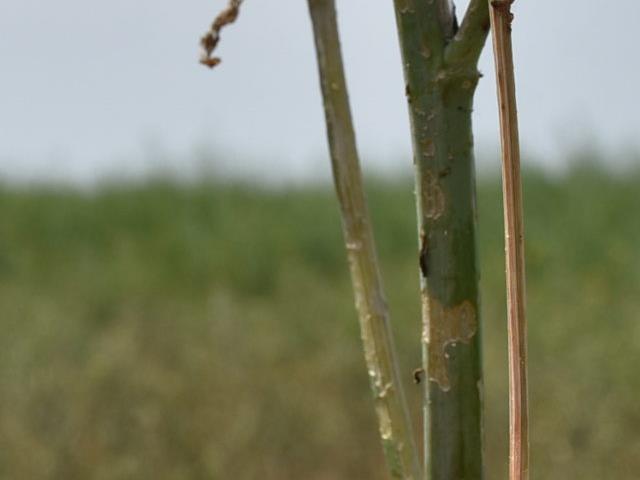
x: 94, y: 87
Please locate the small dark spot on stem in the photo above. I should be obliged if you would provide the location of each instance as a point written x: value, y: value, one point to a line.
x: 417, y: 375
x: 445, y: 172
x: 424, y: 257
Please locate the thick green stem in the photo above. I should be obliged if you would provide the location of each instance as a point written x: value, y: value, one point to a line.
x: 440, y: 95
x: 391, y: 409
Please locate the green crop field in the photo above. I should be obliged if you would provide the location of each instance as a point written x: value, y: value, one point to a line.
x: 173, y: 331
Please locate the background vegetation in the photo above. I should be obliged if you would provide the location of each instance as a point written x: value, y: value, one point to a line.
x: 194, y: 331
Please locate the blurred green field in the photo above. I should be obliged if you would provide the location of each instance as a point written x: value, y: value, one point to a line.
x: 206, y: 331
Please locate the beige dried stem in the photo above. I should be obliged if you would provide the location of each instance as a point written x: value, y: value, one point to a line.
x: 501, y: 19
x: 394, y: 423
x: 210, y: 40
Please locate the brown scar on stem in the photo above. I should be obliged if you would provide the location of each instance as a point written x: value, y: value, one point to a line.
x: 447, y: 326
x: 433, y: 199
x: 210, y: 40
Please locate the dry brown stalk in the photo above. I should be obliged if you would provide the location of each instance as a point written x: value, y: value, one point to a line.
x: 501, y: 18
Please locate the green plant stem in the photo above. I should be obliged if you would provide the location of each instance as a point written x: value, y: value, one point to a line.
x: 391, y: 409
x: 440, y: 93
x: 501, y: 19
x: 466, y: 46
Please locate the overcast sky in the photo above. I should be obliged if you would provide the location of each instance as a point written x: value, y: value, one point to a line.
x: 92, y: 87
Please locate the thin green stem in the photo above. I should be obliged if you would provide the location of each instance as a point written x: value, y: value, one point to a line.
x: 391, y: 409
x: 466, y: 46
